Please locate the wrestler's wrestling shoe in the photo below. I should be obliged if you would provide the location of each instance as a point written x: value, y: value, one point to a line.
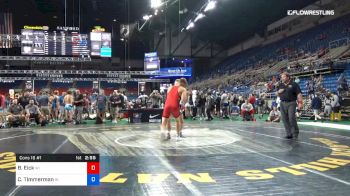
x: 168, y: 137
x: 180, y: 135
x: 165, y: 136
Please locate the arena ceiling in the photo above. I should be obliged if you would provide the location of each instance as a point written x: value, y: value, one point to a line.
x: 231, y: 22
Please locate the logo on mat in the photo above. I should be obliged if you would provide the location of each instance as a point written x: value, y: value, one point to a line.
x: 153, y: 116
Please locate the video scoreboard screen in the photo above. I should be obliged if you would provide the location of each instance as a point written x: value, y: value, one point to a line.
x: 65, y: 41
x: 101, y: 44
x: 60, y: 43
x: 151, y: 62
x: 33, y: 42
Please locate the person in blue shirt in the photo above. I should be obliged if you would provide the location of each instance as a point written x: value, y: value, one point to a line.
x: 61, y: 106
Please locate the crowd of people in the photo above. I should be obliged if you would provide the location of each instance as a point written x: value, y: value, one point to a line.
x: 68, y: 107
x: 73, y: 107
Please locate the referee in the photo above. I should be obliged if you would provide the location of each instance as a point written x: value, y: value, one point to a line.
x: 289, y: 93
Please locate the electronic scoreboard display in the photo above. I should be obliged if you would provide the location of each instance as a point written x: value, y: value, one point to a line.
x: 60, y: 43
x: 151, y: 62
x: 55, y: 43
x: 65, y: 41
x: 33, y: 42
x: 101, y: 44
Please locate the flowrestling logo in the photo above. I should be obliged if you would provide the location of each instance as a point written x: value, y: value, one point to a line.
x: 310, y: 12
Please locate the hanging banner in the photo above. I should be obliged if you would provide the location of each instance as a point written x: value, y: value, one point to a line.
x: 29, y: 85
x: 12, y: 93
x: 142, y: 87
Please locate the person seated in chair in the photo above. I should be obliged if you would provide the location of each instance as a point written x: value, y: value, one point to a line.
x: 247, y: 108
x: 16, y: 116
x: 274, y: 115
x: 235, y: 110
x: 33, y: 112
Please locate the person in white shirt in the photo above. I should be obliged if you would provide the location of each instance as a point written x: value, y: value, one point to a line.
x: 335, y: 106
x: 327, y: 106
x: 225, y: 104
x: 274, y: 115
x: 278, y: 101
x: 247, y: 107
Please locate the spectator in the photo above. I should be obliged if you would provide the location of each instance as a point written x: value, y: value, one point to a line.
x: 195, y: 100
x: 201, y: 105
x: 217, y: 104
x: 252, y: 100
x: 335, y: 106
x: 327, y: 106
x: 144, y: 99
x: 68, y: 106
x: 79, y: 103
x: 101, y: 103
x: 274, y: 116
x: 137, y: 104
x: 16, y: 114
x: 86, y: 106
x: 316, y: 105
x: 247, y: 108
x: 54, y: 105
x: 61, y: 107
x: 116, y: 105
x: 33, y: 112
x: 209, y: 105
x: 260, y: 104
x: 342, y: 84
x: 156, y: 99
x: 24, y: 100
x: 43, y: 102
x: 225, y: 105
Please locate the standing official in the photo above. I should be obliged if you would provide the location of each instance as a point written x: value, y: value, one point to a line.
x: 289, y: 93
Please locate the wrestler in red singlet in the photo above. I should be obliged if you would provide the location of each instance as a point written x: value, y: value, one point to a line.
x: 176, y: 97
x: 172, y: 105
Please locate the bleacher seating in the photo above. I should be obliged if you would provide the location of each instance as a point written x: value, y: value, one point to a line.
x: 308, y: 42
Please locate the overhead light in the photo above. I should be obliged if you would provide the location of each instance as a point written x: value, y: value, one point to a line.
x: 114, y: 20
x: 147, y: 17
x: 156, y: 3
x: 199, y: 16
x: 190, y: 26
x: 211, y: 5
x: 122, y: 39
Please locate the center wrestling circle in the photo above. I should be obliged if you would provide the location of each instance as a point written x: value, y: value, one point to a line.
x: 194, y: 138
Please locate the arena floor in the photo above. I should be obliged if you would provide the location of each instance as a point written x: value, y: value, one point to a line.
x: 215, y: 158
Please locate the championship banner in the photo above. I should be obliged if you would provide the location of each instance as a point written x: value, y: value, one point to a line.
x: 142, y: 87
x: 12, y: 93
x: 29, y: 86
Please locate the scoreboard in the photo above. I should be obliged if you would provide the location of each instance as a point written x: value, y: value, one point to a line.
x: 57, y: 170
x: 65, y: 41
x: 101, y: 44
x: 60, y: 43
x: 33, y: 42
x: 151, y: 62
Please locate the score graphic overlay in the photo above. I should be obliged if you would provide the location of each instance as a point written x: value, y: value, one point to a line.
x: 57, y: 170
